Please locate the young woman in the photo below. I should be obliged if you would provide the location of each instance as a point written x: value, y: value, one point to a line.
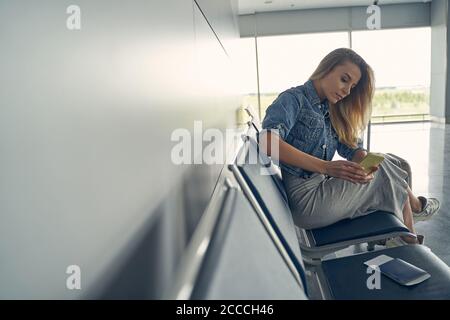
x: 327, y: 114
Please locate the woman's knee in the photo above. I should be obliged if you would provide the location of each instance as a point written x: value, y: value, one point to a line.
x: 402, y: 164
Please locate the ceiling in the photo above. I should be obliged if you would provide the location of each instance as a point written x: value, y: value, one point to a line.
x: 252, y: 6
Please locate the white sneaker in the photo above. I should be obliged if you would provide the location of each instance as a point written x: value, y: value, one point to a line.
x: 430, y: 206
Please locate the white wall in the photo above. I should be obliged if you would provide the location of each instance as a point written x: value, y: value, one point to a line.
x: 85, y: 124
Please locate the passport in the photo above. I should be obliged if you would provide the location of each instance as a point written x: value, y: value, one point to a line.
x: 399, y: 270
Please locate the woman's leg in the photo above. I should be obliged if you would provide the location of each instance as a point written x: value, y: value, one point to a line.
x: 416, y: 205
x: 409, y: 221
x: 408, y: 217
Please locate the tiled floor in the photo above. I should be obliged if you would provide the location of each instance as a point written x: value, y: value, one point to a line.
x: 426, y: 146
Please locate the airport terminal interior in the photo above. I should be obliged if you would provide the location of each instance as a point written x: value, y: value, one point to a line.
x: 129, y: 133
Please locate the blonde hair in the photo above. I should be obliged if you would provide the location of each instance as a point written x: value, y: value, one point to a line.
x: 350, y: 115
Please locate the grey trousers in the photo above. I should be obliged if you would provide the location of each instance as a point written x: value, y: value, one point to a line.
x: 321, y: 200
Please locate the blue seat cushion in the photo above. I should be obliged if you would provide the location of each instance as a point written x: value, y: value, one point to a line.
x: 347, y: 277
x: 376, y: 223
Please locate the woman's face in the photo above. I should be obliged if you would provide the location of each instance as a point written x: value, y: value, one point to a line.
x: 337, y: 84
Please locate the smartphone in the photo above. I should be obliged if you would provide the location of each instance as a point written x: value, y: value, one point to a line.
x: 372, y: 159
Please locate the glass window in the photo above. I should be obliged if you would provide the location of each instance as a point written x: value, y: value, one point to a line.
x: 288, y: 61
x: 401, y: 59
x: 244, y: 58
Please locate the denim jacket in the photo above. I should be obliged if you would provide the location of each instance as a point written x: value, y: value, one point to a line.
x: 304, y: 122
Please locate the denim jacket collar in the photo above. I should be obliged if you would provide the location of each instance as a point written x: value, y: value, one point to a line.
x: 312, y: 95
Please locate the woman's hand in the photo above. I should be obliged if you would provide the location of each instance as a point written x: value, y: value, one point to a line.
x: 349, y: 171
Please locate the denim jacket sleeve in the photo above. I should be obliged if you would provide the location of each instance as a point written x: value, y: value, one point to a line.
x: 282, y: 114
x: 347, y: 152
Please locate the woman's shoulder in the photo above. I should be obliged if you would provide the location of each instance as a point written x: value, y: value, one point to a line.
x: 294, y: 93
